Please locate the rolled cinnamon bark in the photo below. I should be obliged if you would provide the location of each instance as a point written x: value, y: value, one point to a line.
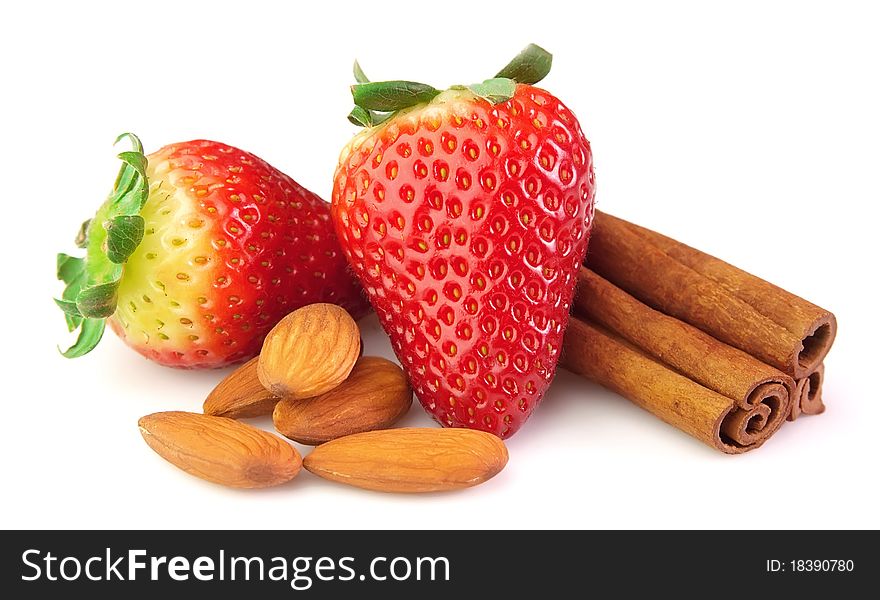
x: 815, y: 326
x: 609, y: 360
x: 808, y: 395
x: 629, y: 259
x: 756, y: 396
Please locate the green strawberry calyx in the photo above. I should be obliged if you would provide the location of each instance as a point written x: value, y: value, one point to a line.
x: 376, y: 101
x: 109, y: 239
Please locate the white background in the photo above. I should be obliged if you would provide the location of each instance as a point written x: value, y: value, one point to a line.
x: 751, y: 131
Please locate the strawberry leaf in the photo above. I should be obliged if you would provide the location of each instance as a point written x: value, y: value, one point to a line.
x: 380, y: 117
x: 89, y: 335
x: 68, y: 307
x: 124, y: 234
x: 82, y: 237
x: 69, y: 268
x: 135, y: 141
x: 391, y: 95
x: 359, y: 75
x: 495, y: 90
x: 358, y: 115
x: 136, y: 160
x: 98, y: 301
x: 530, y: 66
x: 131, y: 190
x: 361, y: 116
x: 109, y: 239
x: 71, y: 312
x: 72, y: 271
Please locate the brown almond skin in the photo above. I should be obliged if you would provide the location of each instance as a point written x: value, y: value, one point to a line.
x: 410, y: 459
x: 375, y: 396
x: 309, y: 352
x: 240, y: 395
x: 221, y: 450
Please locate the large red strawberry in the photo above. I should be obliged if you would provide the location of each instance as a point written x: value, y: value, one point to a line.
x: 466, y: 214
x: 199, y: 250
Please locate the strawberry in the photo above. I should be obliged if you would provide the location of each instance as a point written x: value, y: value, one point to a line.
x: 199, y: 250
x: 465, y: 215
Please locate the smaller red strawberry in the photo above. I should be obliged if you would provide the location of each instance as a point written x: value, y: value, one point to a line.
x: 466, y: 215
x: 199, y: 250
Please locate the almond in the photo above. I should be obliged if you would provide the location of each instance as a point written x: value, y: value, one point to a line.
x: 410, y: 460
x: 375, y: 395
x: 240, y: 395
x: 309, y: 352
x: 221, y: 450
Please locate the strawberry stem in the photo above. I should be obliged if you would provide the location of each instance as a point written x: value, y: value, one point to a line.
x: 110, y: 238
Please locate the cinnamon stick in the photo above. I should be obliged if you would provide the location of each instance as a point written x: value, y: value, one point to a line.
x: 808, y: 395
x: 815, y: 326
x: 630, y: 258
x: 710, y: 390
